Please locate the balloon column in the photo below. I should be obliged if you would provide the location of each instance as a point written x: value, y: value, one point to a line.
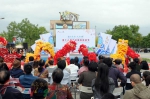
x: 68, y: 47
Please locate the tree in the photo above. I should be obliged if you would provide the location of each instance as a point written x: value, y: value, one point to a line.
x: 129, y: 33
x: 24, y: 31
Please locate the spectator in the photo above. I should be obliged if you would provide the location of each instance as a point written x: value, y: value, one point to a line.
x: 35, y: 65
x: 82, y: 62
x: 27, y: 79
x: 4, y: 66
x: 23, y: 60
x: 73, y: 68
x: 31, y: 60
x: 148, y: 81
x: 51, y: 66
x: 85, y: 67
x: 41, y: 71
x: 76, y: 59
x: 144, y: 65
x: 139, y: 91
x: 118, y: 64
x: 108, y: 96
x: 100, y: 57
x: 66, y: 78
x: 131, y: 66
x: 137, y: 61
x: 102, y: 84
x: 39, y: 89
x: 145, y: 74
x: 1, y: 60
x: 86, y: 78
x: 57, y: 89
x: 114, y: 73
x: 16, y: 70
x: 7, y: 91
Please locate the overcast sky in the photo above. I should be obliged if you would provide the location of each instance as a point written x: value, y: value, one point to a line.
x: 104, y: 14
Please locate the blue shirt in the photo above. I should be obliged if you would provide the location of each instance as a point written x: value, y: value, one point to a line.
x: 26, y: 80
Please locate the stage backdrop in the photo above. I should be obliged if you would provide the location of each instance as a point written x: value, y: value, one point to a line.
x: 81, y: 36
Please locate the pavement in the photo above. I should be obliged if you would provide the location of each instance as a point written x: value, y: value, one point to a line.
x: 144, y: 55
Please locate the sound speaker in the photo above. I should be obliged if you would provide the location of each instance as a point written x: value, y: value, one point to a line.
x: 25, y: 45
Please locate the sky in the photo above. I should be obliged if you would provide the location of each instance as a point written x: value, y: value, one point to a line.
x: 102, y: 14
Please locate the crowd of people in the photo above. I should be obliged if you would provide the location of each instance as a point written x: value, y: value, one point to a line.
x: 96, y: 80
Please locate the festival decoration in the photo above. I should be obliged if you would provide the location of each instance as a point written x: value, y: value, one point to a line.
x: 68, y: 47
x: 84, y: 50
x: 40, y: 45
x: 8, y: 58
x: 132, y: 53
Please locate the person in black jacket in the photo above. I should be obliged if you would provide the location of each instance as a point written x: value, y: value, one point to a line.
x: 132, y: 67
x: 7, y: 91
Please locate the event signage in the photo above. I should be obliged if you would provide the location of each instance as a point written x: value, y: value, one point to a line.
x: 81, y: 36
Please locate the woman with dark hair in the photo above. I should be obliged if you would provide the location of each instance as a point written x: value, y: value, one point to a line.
x: 85, y: 67
x: 102, y: 84
x: 4, y: 66
x: 132, y: 67
x: 85, y: 79
x: 76, y: 60
x: 144, y: 65
x: 41, y: 71
x: 56, y: 88
x: 39, y: 89
x: 145, y: 74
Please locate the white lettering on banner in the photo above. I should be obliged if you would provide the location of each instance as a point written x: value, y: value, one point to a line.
x: 81, y: 36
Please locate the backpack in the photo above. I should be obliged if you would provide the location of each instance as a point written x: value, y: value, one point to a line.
x: 58, y: 92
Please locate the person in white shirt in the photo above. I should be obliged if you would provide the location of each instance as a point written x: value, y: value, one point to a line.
x: 74, y: 70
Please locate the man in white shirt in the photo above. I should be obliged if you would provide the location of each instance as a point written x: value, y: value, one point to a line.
x: 74, y: 70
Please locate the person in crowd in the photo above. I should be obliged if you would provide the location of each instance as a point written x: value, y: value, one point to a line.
x: 137, y: 61
x: 108, y: 96
x: 16, y: 70
x: 51, y: 66
x: 23, y: 60
x: 85, y: 67
x: 144, y: 65
x: 31, y: 60
x: 4, y: 66
x: 6, y: 91
x: 145, y: 74
x: 114, y: 73
x: 103, y: 84
x: 118, y: 64
x: 66, y: 78
x: 147, y: 80
x: 39, y: 89
x: 35, y: 65
x: 76, y: 60
x: 132, y: 67
x: 139, y: 91
x: 73, y: 69
x: 85, y: 79
x: 100, y: 57
x: 27, y: 79
x: 62, y: 90
x: 82, y: 62
x: 1, y: 60
x: 41, y: 71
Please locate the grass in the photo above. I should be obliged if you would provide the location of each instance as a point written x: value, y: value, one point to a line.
x: 146, y: 59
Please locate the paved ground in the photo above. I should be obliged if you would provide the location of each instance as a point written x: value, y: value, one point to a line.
x: 145, y: 55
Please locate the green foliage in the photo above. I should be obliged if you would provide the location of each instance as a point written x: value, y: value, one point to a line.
x: 25, y: 31
x: 129, y: 33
